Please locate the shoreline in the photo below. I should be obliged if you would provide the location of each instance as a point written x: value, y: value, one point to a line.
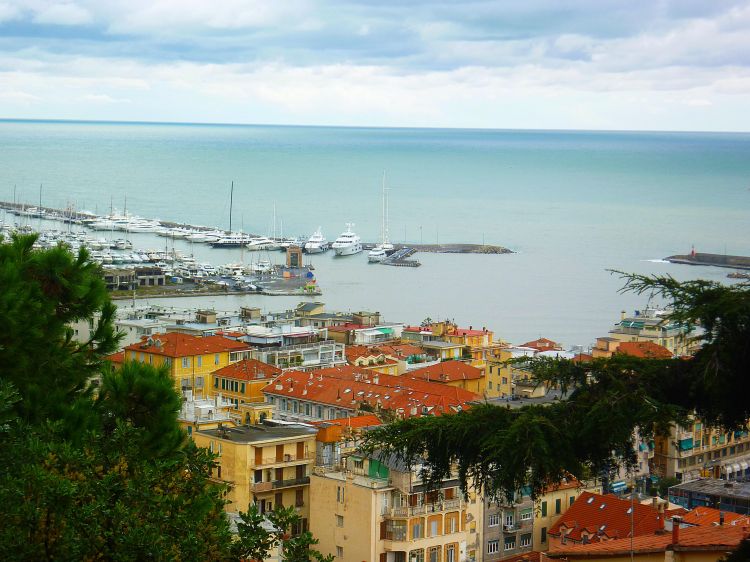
x: 714, y: 260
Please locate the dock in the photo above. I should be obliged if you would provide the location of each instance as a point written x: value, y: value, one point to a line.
x: 399, y: 258
x: 714, y: 260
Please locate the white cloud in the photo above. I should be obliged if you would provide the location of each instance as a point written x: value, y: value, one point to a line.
x: 62, y: 14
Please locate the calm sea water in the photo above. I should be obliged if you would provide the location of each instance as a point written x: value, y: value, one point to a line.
x: 572, y: 204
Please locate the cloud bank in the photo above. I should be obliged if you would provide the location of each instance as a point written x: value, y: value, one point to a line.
x: 599, y: 64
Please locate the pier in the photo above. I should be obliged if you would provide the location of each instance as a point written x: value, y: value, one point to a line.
x: 715, y: 260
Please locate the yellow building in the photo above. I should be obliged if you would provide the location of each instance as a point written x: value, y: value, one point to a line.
x: 372, y: 359
x: 377, y: 511
x: 696, y: 450
x: 498, y: 378
x: 242, y: 383
x: 190, y: 359
x: 268, y: 464
x: 653, y: 326
x: 553, y: 503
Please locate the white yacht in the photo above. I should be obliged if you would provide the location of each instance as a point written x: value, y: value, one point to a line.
x: 385, y: 248
x: 348, y: 243
x: 262, y: 243
x: 317, y: 243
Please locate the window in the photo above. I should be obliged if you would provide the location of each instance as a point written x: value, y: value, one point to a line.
x: 340, y: 552
x: 320, y: 412
x: 216, y: 383
x: 339, y: 520
x: 435, y: 554
x: 417, y: 531
x: 510, y: 543
x: 544, y: 509
x: 299, y: 499
x: 509, y: 519
x: 168, y: 361
x: 198, y: 382
x: 572, y: 499
x: 216, y: 359
x: 493, y: 520
x: 505, y: 380
x: 489, y: 384
x: 544, y: 534
x: 493, y: 547
x: 558, y: 506
x: 434, y: 529
x: 242, y: 388
x: 526, y: 515
x: 185, y: 362
x: 340, y: 494
x: 199, y: 361
x: 526, y: 540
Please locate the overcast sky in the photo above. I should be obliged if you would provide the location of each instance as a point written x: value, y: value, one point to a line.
x: 574, y: 64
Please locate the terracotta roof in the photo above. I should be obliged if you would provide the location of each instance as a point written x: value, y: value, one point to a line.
x: 542, y: 344
x: 354, y: 352
x: 645, y: 349
x: 690, y: 538
x: 175, y: 344
x: 565, y: 484
x: 605, y: 516
x: 468, y: 332
x: 368, y: 420
x: 709, y: 516
x: 402, y: 350
x: 116, y: 358
x: 417, y: 329
x: 347, y: 387
x: 582, y: 358
x: 447, y: 371
x: 249, y: 370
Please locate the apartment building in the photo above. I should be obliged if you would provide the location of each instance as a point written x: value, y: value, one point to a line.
x: 508, y: 528
x: 379, y: 510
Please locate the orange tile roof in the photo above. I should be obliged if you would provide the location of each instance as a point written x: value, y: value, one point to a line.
x: 565, y: 484
x: 447, y: 371
x: 249, y: 370
x: 367, y: 420
x: 606, y: 516
x: 347, y: 387
x: 644, y: 349
x: 116, y: 358
x: 402, y: 350
x: 417, y: 329
x: 709, y: 516
x: 175, y: 344
x: 582, y: 358
x: 542, y: 344
x: 690, y: 538
x: 469, y: 332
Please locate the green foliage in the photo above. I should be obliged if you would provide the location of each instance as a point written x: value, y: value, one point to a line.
x: 501, y: 450
x: 741, y: 554
x: 42, y: 293
x: 258, y: 535
x: 665, y: 484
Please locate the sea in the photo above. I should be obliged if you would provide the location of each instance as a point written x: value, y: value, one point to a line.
x: 572, y: 205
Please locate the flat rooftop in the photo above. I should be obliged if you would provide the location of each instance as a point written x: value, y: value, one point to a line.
x: 715, y: 487
x: 259, y: 433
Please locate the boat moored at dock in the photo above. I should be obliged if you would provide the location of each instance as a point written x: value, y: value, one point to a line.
x: 349, y: 243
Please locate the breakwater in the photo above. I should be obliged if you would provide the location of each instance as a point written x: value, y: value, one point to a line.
x: 716, y: 260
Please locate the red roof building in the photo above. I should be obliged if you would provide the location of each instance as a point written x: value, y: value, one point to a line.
x: 543, y: 344
x: 175, y: 344
x: 249, y: 370
x: 594, y: 518
x: 711, y: 542
x: 644, y: 349
x: 340, y: 392
x: 703, y: 516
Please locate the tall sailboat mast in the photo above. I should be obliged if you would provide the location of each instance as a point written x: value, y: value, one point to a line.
x: 231, y: 198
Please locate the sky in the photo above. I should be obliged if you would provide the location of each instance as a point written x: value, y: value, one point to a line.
x: 529, y: 64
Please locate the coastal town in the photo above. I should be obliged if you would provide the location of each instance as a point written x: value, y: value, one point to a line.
x: 284, y: 398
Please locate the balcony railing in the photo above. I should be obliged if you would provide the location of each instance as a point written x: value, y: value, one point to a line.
x: 409, y: 511
x: 286, y: 458
x: 291, y: 482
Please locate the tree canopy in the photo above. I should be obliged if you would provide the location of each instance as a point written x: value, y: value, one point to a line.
x: 607, y: 401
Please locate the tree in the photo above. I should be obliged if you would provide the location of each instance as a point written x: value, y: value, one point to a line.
x: 258, y: 535
x: 501, y: 450
x: 43, y: 292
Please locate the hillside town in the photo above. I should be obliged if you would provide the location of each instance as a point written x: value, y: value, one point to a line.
x: 284, y: 398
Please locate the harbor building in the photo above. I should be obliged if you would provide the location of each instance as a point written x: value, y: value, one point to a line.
x: 650, y: 325
x: 189, y: 359
x: 379, y: 510
x: 267, y: 464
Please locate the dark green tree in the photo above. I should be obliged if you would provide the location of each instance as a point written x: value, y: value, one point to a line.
x: 41, y: 294
x: 258, y: 535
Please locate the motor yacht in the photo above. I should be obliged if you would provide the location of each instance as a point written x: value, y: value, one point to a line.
x: 317, y: 243
x: 348, y: 243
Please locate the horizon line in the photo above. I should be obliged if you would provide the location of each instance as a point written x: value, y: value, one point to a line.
x: 318, y: 126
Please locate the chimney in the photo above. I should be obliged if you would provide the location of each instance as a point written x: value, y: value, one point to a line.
x: 721, y: 518
x: 676, y: 530
x: 623, y: 314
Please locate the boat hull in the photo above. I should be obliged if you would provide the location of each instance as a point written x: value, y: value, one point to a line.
x: 348, y: 250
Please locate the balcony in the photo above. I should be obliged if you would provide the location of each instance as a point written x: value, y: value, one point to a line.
x: 291, y: 482
x: 287, y: 458
x: 261, y: 487
x: 412, y: 511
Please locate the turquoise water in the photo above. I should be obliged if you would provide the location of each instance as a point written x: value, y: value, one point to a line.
x: 571, y: 203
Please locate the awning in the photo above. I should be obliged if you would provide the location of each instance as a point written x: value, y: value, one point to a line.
x: 744, y: 465
x: 387, y: 331
x: 729, y: 469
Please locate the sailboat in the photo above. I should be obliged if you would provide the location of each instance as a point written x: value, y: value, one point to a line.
x: 382, y: 250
